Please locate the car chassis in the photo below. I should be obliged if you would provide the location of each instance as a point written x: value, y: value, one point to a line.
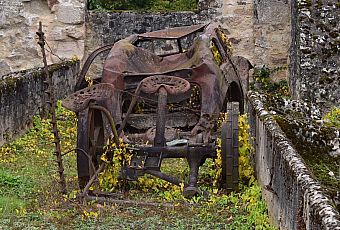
x: 181, y: 94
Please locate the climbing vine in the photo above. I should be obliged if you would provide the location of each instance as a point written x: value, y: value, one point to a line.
x: 116, y: 157
x: 217, y: 56
x: 226, y: 45
x: 225, y: 41
x: 246, y: 171
x: 262, y: 81
x: 28, y: 182
x: 210, y: 172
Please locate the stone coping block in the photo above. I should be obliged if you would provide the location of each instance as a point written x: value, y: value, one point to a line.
x: 295, y: 200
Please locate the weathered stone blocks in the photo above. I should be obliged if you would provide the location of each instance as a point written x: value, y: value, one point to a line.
x: 295, y: 200
x: 272, y: 28
x: 316, y: 36
x: 70, y: 13
x: 21, y: 96
x: 19, y: 22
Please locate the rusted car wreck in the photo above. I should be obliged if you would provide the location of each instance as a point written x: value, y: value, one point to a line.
x: 171, y: 101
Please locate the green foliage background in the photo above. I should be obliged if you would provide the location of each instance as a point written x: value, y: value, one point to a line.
x: 147, y: 5
x: 262, y: 81
x: 332, y: 118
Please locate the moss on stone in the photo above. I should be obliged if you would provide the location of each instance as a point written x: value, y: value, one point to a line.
x: 334, y: 34
x: 38, y: 74
x: 315, y: 156
x: 325, y: 80
x: 10, y: 83
x: 62, y: 65
x: 319, y: 4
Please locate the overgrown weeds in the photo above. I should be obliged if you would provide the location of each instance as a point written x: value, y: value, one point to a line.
x: 263, y: 82
x: 29, y: 195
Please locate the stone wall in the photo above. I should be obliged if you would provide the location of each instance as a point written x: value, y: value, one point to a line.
x: 295, y: 200
x: 63, y: 24
x: 294, y: 54
x: 237, y: 17
x: 21, y: 96
x: 259, y: 31
x: 106, y: 28
x: 316, y: 78
x: 272, y: 39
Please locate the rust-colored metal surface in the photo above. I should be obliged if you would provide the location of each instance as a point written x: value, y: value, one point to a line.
x: 80, y: 100
x: 126, y: 59
x: 143, y: 92
x: 173, y: 85
x: 173, y: 33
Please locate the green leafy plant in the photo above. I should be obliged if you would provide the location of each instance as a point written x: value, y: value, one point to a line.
x: 210, y: 172
x: 150, y: 5
x: 118, y: 4
x: 29, y: 199
x: 263, y: 82
x: 333, y: 118
x: 246, y: 171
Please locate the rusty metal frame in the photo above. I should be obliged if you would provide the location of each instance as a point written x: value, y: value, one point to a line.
x: 127, y: 67
x: 174, y: 33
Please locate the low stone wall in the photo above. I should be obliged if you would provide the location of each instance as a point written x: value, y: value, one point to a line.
x: 22, y: 96
x: 295, y: 200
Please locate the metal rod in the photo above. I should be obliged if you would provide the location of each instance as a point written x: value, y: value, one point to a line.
x: 132, y: 104
x: 164, y: 176
x: 94, y: 176
x: 193, y: 174
x: 84, y: 152
x: 161, y: 112
x: 111, y: 121
x: 178, y: 151
x: 108, y: 200
x: 88, y: 62
x: 52, y: 99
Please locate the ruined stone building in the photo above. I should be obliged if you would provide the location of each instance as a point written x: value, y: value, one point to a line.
x: 301, y: 36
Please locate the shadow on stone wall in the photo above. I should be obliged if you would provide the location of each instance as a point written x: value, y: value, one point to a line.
x: 22, y: 96
x: 295, y: 200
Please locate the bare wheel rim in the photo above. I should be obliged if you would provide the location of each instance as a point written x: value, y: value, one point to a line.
x: 229, y: 149
x: 90, y: 141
